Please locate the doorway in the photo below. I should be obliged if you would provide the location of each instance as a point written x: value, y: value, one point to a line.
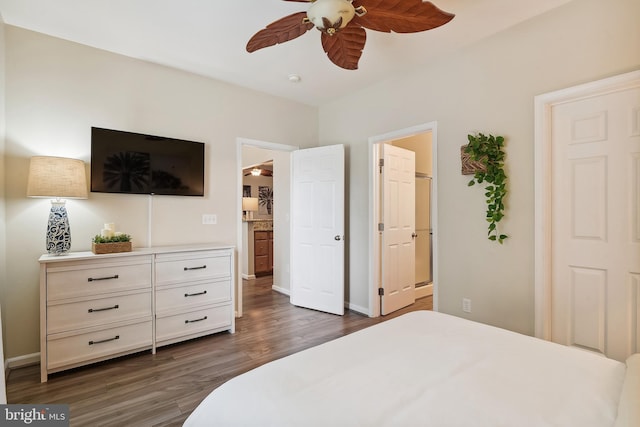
x: 318, y: 169
x: 421, y: 144
x: 421, y: 139
x: 279, y: 155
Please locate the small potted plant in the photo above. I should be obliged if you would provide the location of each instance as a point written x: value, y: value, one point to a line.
x: 119, y: 242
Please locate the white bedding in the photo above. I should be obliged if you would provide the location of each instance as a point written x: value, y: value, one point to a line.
x: 423, y: 368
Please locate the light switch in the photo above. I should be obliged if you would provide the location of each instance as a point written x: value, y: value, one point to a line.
x: 209, y: 219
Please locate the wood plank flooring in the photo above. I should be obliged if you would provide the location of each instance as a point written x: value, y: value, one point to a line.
x: 162, y: 389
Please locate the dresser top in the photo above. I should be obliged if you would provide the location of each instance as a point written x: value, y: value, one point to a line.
x: 76, y: 256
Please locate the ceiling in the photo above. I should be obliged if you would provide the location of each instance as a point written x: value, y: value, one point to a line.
x: 208, y: 37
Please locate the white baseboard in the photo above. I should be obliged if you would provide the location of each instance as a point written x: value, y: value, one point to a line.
x: 281, y: 290
x: 357, y: 308
x: 248, y: 276
x: 347, y: 305
x: 424, y: 291
x: 22, y: 361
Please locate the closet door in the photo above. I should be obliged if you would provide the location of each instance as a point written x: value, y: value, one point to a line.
x: 595, y: 273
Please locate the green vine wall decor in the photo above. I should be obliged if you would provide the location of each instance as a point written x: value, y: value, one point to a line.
x: 488, y: 150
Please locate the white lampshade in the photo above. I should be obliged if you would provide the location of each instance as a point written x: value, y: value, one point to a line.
x: 58, y: 177
x: 249, y: 203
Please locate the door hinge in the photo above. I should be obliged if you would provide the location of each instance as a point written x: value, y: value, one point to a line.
x: 381, y: 226
x: 381, y: 291
x: 380, y: 164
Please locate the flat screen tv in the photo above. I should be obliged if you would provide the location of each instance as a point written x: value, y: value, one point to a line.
x: 134, y: 163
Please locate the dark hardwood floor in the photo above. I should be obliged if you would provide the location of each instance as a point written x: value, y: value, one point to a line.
x: 162, y: 389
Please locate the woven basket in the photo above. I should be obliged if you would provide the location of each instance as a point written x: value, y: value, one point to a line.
x: 470, y: 167
x: 110, y: 248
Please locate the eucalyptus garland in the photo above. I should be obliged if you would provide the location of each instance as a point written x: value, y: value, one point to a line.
x: 488, y: 150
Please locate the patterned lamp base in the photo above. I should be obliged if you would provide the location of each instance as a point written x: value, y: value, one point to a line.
x: 58, y: 231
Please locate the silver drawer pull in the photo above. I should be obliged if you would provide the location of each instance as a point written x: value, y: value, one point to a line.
x: 195, y: 294
x: 93, y: 310
x: 197, y: 320
x: 195, y: 268
x: 117, y: 337
x: 93, y: 279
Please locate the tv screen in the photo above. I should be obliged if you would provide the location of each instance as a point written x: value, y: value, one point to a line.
x: 134, y: 163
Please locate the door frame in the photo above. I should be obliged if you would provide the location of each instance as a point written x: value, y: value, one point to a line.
x: 543, y: 105
x: 374, y: 212
x: 241, y: 142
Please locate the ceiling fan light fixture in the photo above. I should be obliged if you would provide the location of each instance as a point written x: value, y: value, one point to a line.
x: 256, y: 172
x: 338, y: 12
x: 342, y: 26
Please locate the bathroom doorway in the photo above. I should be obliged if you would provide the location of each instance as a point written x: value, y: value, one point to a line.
x: 422, y: 140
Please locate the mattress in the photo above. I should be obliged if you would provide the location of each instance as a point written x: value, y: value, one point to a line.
x: 424, y: 368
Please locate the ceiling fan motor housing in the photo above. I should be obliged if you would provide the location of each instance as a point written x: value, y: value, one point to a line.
x: 332, y: 10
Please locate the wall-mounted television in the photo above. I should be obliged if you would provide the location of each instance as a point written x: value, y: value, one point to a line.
x: 134, y: 163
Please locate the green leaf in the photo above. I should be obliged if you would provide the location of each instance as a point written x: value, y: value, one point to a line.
x: 488, y: 149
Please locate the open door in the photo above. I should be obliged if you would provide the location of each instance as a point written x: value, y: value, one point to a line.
x: 398, y: 253
x: 317, y: 228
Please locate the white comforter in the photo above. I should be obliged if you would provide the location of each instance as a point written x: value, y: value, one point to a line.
x: 423, y: 369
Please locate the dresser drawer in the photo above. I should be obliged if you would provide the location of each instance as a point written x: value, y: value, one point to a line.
x: 260, y: 235
x: 192, y: 322
x: 262, y: 264
x: 261, y: 247
x: 191, y: 266
x: 75, y: 349
x: 95, y: 279
x: 98, y: 311
x: 181, y: 297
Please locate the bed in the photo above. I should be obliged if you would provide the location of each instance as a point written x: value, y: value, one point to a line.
x: 432, y: 369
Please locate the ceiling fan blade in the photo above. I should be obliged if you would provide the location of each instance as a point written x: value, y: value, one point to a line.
x: 344, y: 48
x: 280, y: 31
x: 401, y: 16
x: 300, y: 1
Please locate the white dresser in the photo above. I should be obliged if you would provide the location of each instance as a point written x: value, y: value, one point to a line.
x: 96, y: 307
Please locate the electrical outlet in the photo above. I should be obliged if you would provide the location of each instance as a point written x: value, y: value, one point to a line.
x: 209, y: 219
x: 466, y: 305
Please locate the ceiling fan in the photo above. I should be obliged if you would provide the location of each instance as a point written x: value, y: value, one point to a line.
x: 343, y: 22
x: 258, y: 172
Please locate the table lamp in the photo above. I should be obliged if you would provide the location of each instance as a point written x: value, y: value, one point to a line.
x: 57, y: 177
x: 249, y: 205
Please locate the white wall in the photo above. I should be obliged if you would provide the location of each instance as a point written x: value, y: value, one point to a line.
x: 487, y: 87
x: 57, y: 90
x: 3, y: 228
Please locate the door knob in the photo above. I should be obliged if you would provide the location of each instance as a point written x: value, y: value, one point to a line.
x: 414, y: 235
x: 337, y: 237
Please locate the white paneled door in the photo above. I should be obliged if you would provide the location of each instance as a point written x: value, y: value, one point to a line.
x: 398, y: 229
x: 317, y: 229
x: 595, y: 223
